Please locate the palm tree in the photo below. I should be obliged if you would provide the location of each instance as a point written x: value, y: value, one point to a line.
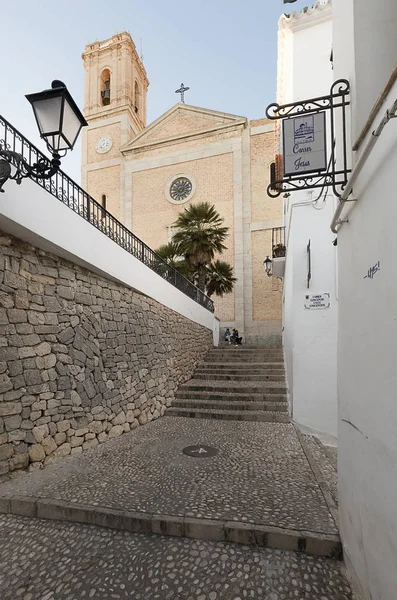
x: 199, y: 236
x: 170, y: 253
x: 220, y: 278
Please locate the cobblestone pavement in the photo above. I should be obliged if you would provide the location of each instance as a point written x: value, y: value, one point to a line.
x: 260, y: 475
x: 48, y: 560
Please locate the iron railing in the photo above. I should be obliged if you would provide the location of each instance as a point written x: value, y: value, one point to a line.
x: 74, y: 197
x: 278, y: 242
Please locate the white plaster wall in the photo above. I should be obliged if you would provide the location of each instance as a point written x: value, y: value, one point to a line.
x: 288, y: 320
x: 32, y: 214
x: 216, y: 331
x: 374, y: 22
x: 312, y: 72
x: 367, y: 379
x: 367, y: 349
x: 309, y: 336
x: 304, y: 51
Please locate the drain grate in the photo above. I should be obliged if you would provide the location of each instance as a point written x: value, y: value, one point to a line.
x: 200, y: 451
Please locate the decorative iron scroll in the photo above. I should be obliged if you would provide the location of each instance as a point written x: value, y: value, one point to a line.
x: 338, y: 99
x: 74, y: 197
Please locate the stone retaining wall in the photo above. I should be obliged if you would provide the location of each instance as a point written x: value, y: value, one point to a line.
x: 82, y: 359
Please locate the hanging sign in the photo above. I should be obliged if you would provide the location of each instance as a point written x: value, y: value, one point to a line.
x: 304, y: 142
x: 317, y: 301
x: 304, y: 151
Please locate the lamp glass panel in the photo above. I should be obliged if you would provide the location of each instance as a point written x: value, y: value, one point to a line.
x: 71, y: 124
x: 48, y: 114
x: 57, y: 143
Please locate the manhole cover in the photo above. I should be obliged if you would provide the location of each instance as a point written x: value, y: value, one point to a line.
x: 200, y: 451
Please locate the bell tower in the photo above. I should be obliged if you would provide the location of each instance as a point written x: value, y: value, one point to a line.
x: 115, y: 108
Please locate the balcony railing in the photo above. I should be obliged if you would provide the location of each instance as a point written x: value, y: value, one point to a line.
x: 74, y: 197
x: 278, y: 242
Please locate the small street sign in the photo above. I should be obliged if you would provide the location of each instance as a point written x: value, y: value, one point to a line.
x: 317, y: 301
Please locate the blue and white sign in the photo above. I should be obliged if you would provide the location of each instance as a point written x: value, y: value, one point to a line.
x: 304, y: 142
x: 317, y: 301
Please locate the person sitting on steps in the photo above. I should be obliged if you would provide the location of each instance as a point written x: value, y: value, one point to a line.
x: 237, y: 341
x: 228, y: 336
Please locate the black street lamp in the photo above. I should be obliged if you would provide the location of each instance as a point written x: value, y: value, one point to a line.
x: 59, y: 121
x: 268, y: 266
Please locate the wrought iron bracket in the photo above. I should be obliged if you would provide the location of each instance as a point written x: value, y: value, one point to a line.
x: 42, y: 169
x: 337, y: 99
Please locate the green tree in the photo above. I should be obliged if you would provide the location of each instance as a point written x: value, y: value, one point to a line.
x: 200, y: 235
x: 219, y: 278
x: 170, y: 253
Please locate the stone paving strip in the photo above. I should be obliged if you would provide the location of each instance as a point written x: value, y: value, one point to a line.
x: 48, y: 560
x: 258, y: 489
x: 323, y: 462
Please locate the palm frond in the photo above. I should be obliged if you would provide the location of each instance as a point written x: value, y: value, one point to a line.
x: 201, y: 214
x: 219, y: 278
x: 171, y: 255
x: 169, y: 252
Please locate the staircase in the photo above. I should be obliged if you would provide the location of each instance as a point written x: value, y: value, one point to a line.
x: 238, y: 384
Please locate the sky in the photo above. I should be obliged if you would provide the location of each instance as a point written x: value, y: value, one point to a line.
x: 224, y: 50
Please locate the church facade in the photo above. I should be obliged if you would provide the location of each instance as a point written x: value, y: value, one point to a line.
x: 146, y: 174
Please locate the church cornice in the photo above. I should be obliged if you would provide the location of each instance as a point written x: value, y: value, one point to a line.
x: 170, y: 141
x: 103, y: 112
x: 141, y: 143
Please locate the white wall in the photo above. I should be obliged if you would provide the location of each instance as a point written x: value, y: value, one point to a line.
x: 32, y: 214
x: 304, y: 68
x: 310, y: 336
x: 216, y: 331
x: 375, y: 22
x: 367, y: 349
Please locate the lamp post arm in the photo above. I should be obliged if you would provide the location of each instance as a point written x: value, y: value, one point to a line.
x: 39, y: 170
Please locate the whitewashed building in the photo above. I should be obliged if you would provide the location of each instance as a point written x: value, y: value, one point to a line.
x: 310, y: 334
x: 365, y: 53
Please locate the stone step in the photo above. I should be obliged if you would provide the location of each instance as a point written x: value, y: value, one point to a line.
x: 237, y: 369
x: 226, y: 377
x: 253, y: 405
x: 244, y: 359
x: 231, y: 415
x: 247, y: 366
x: 226, y: 397
x: 270, y: 387
x: 237, y: 350
x: 255, y: 349
x: 234, y: 348
x: 309, y: 542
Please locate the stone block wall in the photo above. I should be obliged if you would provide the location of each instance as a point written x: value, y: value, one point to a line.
x: 82, y: 359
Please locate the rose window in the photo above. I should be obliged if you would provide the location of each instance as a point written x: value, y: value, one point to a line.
x: 181, y: 189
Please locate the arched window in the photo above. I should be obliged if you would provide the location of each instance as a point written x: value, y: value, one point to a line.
x: 137, y: 96
x: 105, y: 87
x: 103, y: 201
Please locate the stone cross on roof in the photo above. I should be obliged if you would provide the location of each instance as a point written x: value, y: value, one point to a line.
x: 182, y: 91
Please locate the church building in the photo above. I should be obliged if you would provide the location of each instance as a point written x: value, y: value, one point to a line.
x: 146, y: 175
